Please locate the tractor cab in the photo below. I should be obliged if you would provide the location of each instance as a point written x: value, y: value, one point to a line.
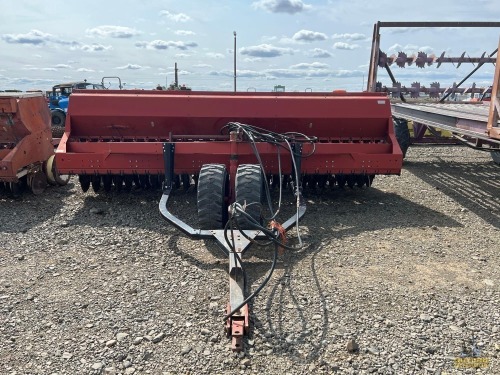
x: 58, y: 101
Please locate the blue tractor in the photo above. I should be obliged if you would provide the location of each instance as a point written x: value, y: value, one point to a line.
x: 58, y: 100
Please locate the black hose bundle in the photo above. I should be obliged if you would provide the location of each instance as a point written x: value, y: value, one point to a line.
x: 254, y: 134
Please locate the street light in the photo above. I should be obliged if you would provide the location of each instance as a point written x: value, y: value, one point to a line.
x: 234, y: 33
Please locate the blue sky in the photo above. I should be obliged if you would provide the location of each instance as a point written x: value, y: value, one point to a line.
x: 302, y: 44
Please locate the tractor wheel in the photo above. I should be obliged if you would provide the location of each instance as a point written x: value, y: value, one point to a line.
x: 249, y: 193
x: 495, y: 155
x: 60, y: 179
x: 402, y: 134
x: 212, y: 188
x: 47, y: 169
x: 58, y: 120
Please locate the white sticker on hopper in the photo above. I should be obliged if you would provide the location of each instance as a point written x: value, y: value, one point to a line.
x: 381, y: 101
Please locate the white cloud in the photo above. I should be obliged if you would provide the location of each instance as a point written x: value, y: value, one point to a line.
x: 426, y: 49
x: 347, y: 36
x: 35, y: 37
x: 214, y: 55
x: 176, y: 17
x: 184, y: 32
x: 314, y: 65
x: 346, y: 46
x: 320, y: 53
x: 401, y: 30
x: 308, y: 36
x: 202, y: 66
x: 252, y: 59
x: 410, y: 48
x: 63, y: 66
x: 94, y: 48
x: 110, y: 31
x: 163, y: 44
x: 281, y: 6
x: 265, y: 50
x: 346, y: 73
x: 85, y: 70
x: 130, y: 67
x: 239, y: 73
x: 396, y: 47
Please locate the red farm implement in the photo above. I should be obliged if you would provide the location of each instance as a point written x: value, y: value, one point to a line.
x: 26, y: 146
x: 230, y: 145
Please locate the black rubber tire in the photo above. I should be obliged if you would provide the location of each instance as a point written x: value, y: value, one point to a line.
x: 495, y: 155
x: 213, y: 185
x: 249, y: 190
x: 58, y: 119
x: 402, y: 134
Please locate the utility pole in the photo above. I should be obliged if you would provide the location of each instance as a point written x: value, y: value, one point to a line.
x: 176, y: 77
x: 234, y: 33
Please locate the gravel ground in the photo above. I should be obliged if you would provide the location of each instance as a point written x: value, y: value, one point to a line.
x: 406, y: 272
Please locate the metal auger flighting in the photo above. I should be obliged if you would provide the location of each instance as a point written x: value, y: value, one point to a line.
x: 421, y: 59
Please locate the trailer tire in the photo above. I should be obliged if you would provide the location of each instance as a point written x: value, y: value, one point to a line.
x: 249, y: 191
x: 213, y: 185
x: 495, y: 155
x: 58, y: 118
x: 402, y: 134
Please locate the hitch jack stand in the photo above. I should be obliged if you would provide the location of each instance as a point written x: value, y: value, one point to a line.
x: 237, y: 324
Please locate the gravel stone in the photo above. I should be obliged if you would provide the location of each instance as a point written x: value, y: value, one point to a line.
x: 352, y: 346
x: 407, y: 269
x: 426, y: 318
x: 97, y: 366
x: 158, y: 337
x: 121, y: 336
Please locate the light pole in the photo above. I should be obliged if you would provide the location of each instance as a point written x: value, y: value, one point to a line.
x: 234, y: 33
